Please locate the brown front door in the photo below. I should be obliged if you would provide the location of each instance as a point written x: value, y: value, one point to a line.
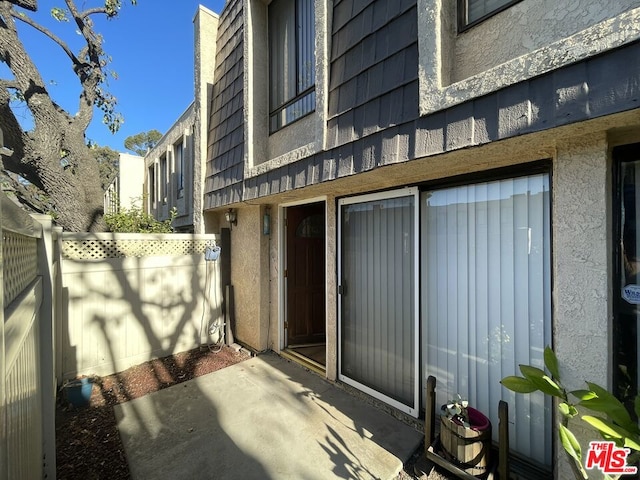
x: 305, y: 274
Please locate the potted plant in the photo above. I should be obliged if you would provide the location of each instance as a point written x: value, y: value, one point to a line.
x: 465, y: 436
x: 78, y: 392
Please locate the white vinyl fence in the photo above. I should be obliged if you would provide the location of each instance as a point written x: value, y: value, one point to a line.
x: 75, y: 304
x: 128, y: 298
x: 27, y: 390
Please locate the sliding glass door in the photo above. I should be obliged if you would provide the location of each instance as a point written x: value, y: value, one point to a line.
x: 478, y: 305
x: 486, y: 298
x: 378, y: 304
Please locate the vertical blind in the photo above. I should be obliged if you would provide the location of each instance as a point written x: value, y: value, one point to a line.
x: 378, y: 314
x: 485, y: 298
x: 292, y: 60
x: 306, y: 44
x: 282, y: 52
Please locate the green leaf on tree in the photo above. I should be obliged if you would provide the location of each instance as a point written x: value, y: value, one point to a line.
x: 542, y: 381
x: 605, y: 402
x: 583, y: 394
x: 59, y: 14
x: 567, y: 409
x: 551, y: 362
x: 518, y: 384
x: 570, y: 443
x: 611, y: 430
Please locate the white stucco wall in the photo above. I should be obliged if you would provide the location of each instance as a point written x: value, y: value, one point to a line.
x: 250, y: 278
x: 331, y: 267
x: 205, y: 26
x: 130, y: 180
x: 582, y: 262
x: 575, y: 34
x: 581, y: 258
x: 522, y: 29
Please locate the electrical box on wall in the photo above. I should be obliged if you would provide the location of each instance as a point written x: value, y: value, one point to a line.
x: 212, y: 254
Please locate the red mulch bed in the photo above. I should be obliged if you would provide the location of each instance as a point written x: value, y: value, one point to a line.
x: 88, y: 444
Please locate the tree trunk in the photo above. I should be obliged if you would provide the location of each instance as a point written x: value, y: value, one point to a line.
x: 53, y: 156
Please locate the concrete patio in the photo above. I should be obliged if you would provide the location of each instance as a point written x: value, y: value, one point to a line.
x: 265, y: 418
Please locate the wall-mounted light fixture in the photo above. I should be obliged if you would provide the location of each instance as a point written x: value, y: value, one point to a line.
x: 6, y: 151
x: 266, y: 222
x: 231, y: 217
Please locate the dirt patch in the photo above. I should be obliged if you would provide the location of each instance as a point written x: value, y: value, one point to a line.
x: 88, y: 443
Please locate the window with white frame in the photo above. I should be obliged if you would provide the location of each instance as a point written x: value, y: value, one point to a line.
x: 471, y: 12
x: 378, y: 302
x: 292, y: 61
x: 459, y: 277
x: 178, y: 156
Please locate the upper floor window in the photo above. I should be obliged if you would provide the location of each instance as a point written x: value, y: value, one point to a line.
x: 178, y: 156
x: 152, y: 186
x: 163, y: 179
x: 292, y: 61
x: 471, y: 12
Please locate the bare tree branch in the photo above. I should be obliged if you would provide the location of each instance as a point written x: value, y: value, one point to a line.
x: 93, y: 11
x: 30, y: 197
x: 7, y: 84
x: 13, y: 134
x: 27, y: 76
x: 92, y: 76
x: 28, y: 4
x: 45, y: 31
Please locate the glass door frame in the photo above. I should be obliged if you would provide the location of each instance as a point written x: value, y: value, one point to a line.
x: 414, y: 409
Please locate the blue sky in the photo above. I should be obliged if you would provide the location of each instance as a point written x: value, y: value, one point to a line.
x: 151, y: 45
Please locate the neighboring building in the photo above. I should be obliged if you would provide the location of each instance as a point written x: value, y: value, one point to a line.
x: 169, y: 174
x: 125, y: 191
x: 430, y: 187
x: 173, y: 168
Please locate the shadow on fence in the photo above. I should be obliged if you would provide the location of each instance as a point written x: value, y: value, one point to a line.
x: 121, y: 309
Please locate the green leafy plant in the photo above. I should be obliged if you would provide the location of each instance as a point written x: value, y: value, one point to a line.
x: 613, y: 424
x: 134, y: 220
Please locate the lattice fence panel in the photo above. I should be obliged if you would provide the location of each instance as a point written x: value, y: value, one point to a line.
x: 96, y: 249
x: 20, y: 258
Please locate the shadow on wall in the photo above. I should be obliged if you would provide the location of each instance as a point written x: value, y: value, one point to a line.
x: 118, y: 312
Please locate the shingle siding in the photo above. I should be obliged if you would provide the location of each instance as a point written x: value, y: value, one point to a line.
x: 225, y: 152
x: 614, y: 88
x: 531, y: 106
x: 374, y: 58
x: 374, y: 105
